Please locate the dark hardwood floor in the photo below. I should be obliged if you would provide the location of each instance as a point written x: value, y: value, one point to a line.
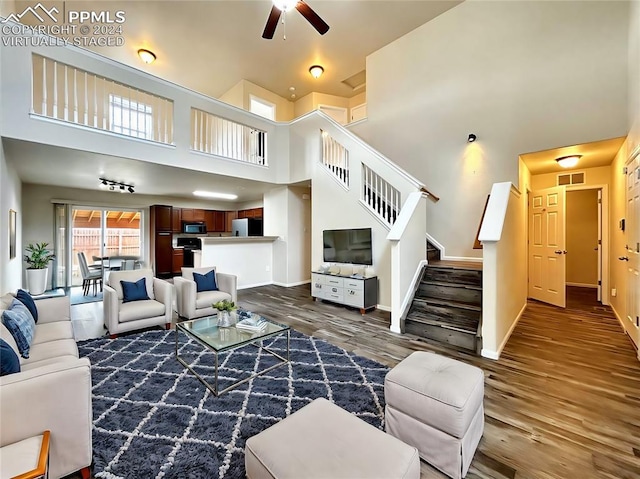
x: 563, y: 401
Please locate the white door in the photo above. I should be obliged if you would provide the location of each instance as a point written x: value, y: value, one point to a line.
x: 547, y: 260
x: 632, y: 254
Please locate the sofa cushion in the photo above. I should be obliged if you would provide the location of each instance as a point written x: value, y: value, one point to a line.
x: 206, y: 299
x: 134, y: 291
x: 205, y: 282
x: 28, y: 366
x: 116, y: 276
x: 187, y: 273
x: 25, y: 298
x: 8, y: 338
x: 140, y: 310
x: 5, y: 301
x: 51, y: 350
x: 21, y: 325
x: 46, y: 332
x: 9, y: 362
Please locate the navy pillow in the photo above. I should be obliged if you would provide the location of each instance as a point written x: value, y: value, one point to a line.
x: 134, y: 291
x: 9, y: 362
x: 26, y: 299
x: 205, y: 282
x: 21, y: 325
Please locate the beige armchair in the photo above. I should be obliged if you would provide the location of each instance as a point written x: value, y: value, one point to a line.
x: 192, y: 304
x: 120, y: 317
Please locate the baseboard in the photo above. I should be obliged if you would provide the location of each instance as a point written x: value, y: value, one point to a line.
x: 495, y: 355
x: 247, y: 286
x: 583, y: 285
x: 413, y: 287
x: 382, y: 307
x: 290, y: 285
x: 471, y: 259
x: 624, y: 328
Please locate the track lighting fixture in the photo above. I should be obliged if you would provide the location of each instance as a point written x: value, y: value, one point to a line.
x: 111, y: 186
x: 471, y: 138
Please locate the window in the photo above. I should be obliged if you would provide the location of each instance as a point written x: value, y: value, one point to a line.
x: 262, y: 107
x: 130, y: 117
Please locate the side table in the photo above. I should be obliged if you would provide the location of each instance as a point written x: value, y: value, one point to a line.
x: 26, y: 459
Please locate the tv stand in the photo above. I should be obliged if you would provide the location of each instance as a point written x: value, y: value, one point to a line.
x: 353, y: 291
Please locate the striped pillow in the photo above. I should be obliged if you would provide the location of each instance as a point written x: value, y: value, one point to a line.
x: 21, y: 325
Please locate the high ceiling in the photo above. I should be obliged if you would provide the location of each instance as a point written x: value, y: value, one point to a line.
x: 209, y: 46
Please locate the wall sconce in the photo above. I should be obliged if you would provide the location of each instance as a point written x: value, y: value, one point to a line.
x: 112, y: 185
x: 471, y: 138
x: 146, y: 56
x: 316, y: 71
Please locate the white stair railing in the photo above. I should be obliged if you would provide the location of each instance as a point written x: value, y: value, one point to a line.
x: 378, y: 194
x: 66, y: 93
x: 335, y: 158
x: 214, y: 135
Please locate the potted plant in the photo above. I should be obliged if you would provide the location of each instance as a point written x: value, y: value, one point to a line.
x: 224, y: 308
x: 37, y: 267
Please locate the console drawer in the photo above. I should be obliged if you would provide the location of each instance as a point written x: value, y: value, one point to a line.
x: 317, y: 289
x: 333, y: 294
x: 333, y: 281
x: 354, y: 297
x: 317, y: 278
x: 354, y: 284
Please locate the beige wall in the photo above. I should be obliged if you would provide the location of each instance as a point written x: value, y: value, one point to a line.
x: 582, y: 237
x: 239, y: 95
x: 11, y: 270
x: 505, y: 71
x: 600, y: 175
x: 357, y: 100
x: 313, y: 100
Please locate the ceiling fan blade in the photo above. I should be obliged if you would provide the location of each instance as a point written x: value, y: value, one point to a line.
x: 272, y: 23
x: 312, y: 17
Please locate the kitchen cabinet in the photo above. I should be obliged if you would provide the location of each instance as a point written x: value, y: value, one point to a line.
x: 177, y: 260
x: 215, y: 221
x: 193, y: 214
x: 160, y: 217
x: 250, y: 213
x: 176, y: 220
x: 162, y: 253
x: 187, y: 214
x: 209, y: 220
x: 229, y: 217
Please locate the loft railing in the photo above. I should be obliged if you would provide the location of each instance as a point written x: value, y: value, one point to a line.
x: 335, y: 158
x: 378, y: 194
x: 66, y: 93
x: 218, y: 136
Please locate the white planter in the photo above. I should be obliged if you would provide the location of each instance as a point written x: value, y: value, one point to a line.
x: 37, y: 280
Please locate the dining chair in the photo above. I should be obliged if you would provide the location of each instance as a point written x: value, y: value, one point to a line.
x: 90, y: 276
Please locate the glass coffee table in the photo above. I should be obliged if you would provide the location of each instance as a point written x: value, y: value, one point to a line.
x: 219, y: 340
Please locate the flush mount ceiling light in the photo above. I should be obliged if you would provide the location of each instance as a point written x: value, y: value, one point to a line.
x: 213, y: 194
x: 471, y: 138
x: 568, y: 161
x: 316, y: 71
x: 113, y: 185
x: 146, y: 56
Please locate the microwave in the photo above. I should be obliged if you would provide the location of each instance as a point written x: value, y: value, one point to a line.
x: 194, y: 227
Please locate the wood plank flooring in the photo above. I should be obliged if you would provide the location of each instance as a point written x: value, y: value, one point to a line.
x: 563, y: 401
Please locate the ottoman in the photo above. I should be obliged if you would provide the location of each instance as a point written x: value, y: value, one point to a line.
x: 323, y: 441
x: 436, y: 404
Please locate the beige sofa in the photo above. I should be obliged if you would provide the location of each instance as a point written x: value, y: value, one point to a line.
x: 120, y: 317
x: 51, y: 392
x: 192, y: 304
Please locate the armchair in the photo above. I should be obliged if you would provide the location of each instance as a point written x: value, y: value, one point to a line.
x: 193, y: 304
x: 120, y: 317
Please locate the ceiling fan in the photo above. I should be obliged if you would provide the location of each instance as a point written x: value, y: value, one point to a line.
x: 280, y: 6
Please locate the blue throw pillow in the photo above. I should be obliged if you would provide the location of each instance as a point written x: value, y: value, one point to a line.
x: 26, y: 299
x: 21, y: 325
x: 134, y: 291
x: 205, y: 282
x: 9, y: 362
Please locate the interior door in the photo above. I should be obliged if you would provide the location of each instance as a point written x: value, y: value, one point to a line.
x: 547, y: 254
x: 632, y: 255
x: 599, y: 245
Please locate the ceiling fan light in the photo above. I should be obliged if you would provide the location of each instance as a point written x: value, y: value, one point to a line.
x: 316, y: 71
x: 284, y: 5
x: 568, y: 161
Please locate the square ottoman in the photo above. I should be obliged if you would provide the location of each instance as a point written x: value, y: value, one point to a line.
x: 436, y: 404
x: 322, y: 441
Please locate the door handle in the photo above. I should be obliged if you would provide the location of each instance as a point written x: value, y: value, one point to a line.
x: 564, y: 251
x: 558, y: 251
x: 623, y: 258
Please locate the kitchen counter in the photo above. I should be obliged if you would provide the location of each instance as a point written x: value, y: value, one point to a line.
x: 236, y: 239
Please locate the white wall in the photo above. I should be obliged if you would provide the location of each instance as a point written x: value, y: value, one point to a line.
x: 523, y: 76
x: 10, y: 198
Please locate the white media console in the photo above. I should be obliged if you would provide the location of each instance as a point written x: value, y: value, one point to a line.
x: 358, y: 292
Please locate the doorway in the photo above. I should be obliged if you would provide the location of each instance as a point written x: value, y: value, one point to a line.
x: 584, y: 267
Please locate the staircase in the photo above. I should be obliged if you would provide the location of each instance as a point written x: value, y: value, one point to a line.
x: 447, y: 306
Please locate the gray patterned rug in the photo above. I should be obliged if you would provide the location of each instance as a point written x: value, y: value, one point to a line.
x: 153, y: 419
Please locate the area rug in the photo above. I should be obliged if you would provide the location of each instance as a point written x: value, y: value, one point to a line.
x: 153, y: 419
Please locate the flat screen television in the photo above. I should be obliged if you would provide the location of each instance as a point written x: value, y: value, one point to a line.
x: 347, y: 246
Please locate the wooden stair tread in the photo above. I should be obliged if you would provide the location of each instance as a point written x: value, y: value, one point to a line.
x: 448, y: 303
x: 451, y: 285
x: 449, y: 264
x: 463, y: 326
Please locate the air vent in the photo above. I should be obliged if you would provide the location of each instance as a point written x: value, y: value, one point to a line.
x: 577, y: 178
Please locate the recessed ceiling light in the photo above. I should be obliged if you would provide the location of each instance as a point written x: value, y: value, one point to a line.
x: 146, y: 56
x: 292, y: 88
x: 213, y: 194
x: 568, y: 161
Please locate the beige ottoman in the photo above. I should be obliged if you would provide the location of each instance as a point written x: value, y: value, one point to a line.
x: 435, y: 404
x: 323, y: 441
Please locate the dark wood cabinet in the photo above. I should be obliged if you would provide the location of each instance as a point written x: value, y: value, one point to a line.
x: 219, y: 220
x: 187, y: 214
x: 163, y: 254
x: 177, y: 261
x: 210, y: 220
x: 193, y: 214
x: 176, y: 220
x: 250, y: 213
x: 160, y: 218
x: 229, y: 217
